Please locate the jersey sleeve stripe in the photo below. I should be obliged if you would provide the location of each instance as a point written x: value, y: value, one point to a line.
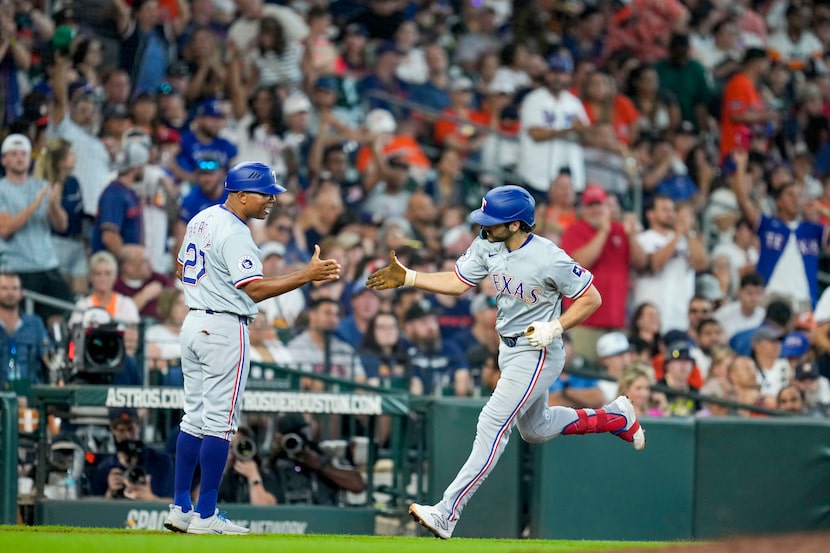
x: 466, y: 281
x: 246, y: 280
x: 587, y: 285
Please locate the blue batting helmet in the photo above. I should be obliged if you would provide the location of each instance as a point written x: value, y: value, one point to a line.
x: 506, y: 204
x: 252, y: 176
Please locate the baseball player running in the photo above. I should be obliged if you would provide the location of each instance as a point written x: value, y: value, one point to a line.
x: 531, y: 275
x: 222, y: 276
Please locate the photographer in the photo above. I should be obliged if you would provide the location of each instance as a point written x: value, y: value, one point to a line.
x: 242, y: 481
x: 302, y: 472
x: 134, y: 471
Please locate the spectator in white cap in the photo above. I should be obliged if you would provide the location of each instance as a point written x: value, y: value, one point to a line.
x: 613, y: 354
x: 29, y: 209
x: 371, y: 160
x: 296, y: 110
x: 280, y: 311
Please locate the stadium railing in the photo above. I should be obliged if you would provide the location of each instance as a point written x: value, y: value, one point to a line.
x: 8, y: 458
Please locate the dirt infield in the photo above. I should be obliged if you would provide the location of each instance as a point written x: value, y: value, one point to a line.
x: 793, y: 543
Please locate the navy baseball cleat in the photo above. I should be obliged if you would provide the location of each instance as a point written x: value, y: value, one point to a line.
x: 433, y: 520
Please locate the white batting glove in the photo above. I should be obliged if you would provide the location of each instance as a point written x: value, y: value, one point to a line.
x: 541, y: 333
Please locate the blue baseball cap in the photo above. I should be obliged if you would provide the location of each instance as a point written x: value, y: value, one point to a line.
x: 388, y: 47
x: 356, y: 29
x: 210, y: 108
x: 560, y: 63
x: 795, y: 344
x: 327, y: 82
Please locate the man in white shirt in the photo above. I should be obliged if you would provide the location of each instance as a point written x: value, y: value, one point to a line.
x: 553, y: 121
x: 773, y: 372
x: 795, y: 46
x: 674, y: 251
x: 746, y: 312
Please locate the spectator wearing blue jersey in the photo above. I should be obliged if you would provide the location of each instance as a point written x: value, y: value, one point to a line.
x: 437, y: 365
x: 208, y: 190
x: 383, y: 79
x: 24, y: 344
x: 790, y: 246
x: 203, y: 142
x: 365, y: 305
x: 120, y: 220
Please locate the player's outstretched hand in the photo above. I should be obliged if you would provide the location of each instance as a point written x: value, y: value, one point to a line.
x: 322, y: 269
x: 541, y: 333
x: 391, y: 276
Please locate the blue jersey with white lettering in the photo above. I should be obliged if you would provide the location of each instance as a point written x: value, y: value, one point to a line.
x: 530, y: 281
x: 218, y: 256
x: 774, y: 234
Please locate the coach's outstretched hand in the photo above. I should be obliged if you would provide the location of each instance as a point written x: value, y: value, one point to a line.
x: 391, y: 276
x: 322, y: 269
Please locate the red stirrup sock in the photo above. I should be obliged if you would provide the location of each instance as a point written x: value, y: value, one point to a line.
x: 596, y: 421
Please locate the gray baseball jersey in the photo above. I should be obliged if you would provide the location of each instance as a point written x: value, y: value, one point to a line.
x: 218, y: 256
x: 530, y: 281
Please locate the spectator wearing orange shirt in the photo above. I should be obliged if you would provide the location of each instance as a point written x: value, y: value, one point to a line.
x: 604, y: 105
x: 554, y: 217
x: 743, y: 108
x: 459, y: 131
x: 384, y: 144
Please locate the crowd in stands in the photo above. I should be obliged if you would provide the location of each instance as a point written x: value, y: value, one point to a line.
x: 678, y: 149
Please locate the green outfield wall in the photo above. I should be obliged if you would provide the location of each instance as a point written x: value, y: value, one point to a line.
x: 496, y: 509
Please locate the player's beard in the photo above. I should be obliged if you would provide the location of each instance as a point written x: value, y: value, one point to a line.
x: 494, y: 233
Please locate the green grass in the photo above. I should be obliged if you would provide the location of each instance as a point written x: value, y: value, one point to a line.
x: 60, y: 539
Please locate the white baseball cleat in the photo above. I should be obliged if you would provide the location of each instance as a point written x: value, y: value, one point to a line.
x: 177, y: 520
x: 632, y: 432
x: 217, y: 524
x: 433, y: 520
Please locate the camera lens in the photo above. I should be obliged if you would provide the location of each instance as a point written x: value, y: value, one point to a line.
x: 292, y: 444
x: 244, y: 449
x: 137, y: 476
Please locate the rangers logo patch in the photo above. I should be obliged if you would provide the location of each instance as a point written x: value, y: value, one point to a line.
x: 578, y: 271
x: 246, y: 264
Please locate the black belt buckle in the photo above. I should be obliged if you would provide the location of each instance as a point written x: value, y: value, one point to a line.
x: 510, y: 341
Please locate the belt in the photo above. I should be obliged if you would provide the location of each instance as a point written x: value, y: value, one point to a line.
x: 242, y: 318
x: 511, y: 341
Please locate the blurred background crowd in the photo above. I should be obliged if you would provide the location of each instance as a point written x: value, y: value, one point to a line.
x: 680, y: 150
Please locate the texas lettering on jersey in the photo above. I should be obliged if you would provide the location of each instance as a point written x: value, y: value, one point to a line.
x: 511, y: 286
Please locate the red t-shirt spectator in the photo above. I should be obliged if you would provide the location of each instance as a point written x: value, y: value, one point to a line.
x: 610, y: 271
